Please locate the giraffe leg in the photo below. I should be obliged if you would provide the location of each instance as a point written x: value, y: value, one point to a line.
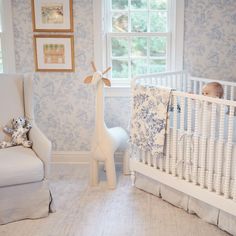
x: 111, y: 172
x: 94, y: 172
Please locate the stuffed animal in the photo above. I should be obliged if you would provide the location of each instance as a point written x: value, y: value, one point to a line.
x: 18, y: 132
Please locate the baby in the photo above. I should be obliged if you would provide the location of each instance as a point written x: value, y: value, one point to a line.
x: 213, y: 89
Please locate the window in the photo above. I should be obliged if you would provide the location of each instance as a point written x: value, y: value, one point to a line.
x: 7, y: 54
x: 138, y: 37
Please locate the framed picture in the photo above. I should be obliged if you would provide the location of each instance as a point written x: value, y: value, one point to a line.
x: 52, y: 15
x: 54, y: 53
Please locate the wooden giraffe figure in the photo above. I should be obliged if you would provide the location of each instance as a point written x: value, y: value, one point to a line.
x: 105, y: 140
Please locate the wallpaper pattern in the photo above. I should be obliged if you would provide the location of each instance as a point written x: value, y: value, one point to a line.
x: 64, y: 106
x: 210, y: 38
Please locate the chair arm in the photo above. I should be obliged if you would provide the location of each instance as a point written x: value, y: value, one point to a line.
x: 42, y: 147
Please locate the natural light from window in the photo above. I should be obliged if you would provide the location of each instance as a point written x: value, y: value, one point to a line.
x: 138, y: 37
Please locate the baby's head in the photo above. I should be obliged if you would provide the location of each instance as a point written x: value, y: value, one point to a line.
x: 213, y: 89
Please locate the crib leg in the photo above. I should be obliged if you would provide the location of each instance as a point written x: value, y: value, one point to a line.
x: 93, y: 172
x: 110, y: 172
x: 132, y: 177
x: 126, y: 170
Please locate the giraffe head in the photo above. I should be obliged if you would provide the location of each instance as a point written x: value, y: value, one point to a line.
x: 97, y: 76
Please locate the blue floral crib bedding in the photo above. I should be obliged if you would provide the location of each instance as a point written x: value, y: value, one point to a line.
x: 149, y: 118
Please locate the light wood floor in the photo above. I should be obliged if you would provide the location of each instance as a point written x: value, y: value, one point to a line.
x: 126, y: 211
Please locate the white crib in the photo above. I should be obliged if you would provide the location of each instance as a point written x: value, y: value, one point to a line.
x: 200, y: 151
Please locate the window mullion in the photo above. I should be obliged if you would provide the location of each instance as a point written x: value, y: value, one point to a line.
x: 129, y: 56
x: 129, y: 16
x: 129, y: 40
x: 148, y: 13
x: 141, y: 34
x: 148, y: 54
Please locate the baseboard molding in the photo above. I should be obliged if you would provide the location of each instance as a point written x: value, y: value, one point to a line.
x: 78, y: 157
x: 71, y: 157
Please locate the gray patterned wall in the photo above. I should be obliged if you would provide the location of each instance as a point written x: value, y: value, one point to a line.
x: 64, y: 107
x: 210, y: 38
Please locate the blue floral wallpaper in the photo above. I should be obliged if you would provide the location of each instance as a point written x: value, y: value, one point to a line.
x: 210, y: 38
x: 64, y: 106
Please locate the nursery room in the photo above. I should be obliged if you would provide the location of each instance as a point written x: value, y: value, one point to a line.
x: 118, y: 117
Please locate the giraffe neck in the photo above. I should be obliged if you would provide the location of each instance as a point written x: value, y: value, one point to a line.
x: 99, y: 109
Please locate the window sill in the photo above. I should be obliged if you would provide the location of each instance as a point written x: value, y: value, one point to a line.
x: 118, y: 91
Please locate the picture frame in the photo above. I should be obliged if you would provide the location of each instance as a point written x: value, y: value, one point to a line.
x: 54, y: 53
x: 52, y: 15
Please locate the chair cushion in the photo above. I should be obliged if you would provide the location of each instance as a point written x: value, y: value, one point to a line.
x: 19, y: 165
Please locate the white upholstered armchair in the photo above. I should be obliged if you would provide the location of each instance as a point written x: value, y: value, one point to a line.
x: 24, y: 190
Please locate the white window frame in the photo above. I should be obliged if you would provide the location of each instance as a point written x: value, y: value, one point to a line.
x: 176, y: 19
x: 7, y: 37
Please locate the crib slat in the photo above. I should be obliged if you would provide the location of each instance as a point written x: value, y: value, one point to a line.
x: 212, y: 148
x: 167, y: 157
x: 143, y: 158
x: 195, y: 87
x: 188, y: 146
x: 229, y: 150
x: 181, y: 139
x: 196, y: 142
x: 200, y: 87
x: 174, y: 81
x: 185, y: 86
x: 178, y: 79
x: 220, y: 150
x: 181, y: 82
x: 154, y: 160
x: 171, y: 81
x: 234, y: 191
x: 174, y: 144
x: 232, y: 93
x: 225, y: 91
x: 148, y: 157
x: 203, y: 145
x: 189, y: 86
x: 161, y: 164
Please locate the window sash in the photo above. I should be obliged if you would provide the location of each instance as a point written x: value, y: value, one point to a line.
x: 109, y: 11
x: 7, y: 37
x: 129, y: 36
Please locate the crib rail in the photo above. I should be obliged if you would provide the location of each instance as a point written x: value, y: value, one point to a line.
x: 176, y: 80
x: 196, y: 85
x: 182, y: 81
x: 200, y: 145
